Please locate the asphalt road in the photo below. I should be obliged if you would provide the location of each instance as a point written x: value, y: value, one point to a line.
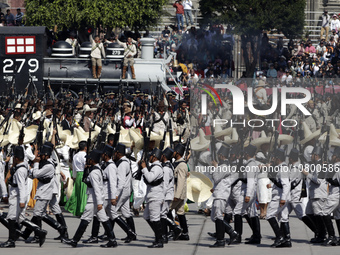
x: 199, y: 242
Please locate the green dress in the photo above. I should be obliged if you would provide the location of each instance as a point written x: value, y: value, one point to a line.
x: 76, y: 203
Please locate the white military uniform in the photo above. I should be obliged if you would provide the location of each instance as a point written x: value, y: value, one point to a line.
x: 95, y: 196
x: 123, y: 189
x: 45, y: 175
x: 154, y: 192
x: 18, y: 193
x: 169, y: 183
x: 280, y: 191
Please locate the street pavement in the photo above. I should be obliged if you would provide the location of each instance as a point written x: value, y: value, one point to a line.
x: 199, y: 242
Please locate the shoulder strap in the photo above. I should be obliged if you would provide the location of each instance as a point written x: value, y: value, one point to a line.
x: 160, y: 119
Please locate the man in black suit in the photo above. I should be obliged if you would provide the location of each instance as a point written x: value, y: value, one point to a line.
x: 67, y: 123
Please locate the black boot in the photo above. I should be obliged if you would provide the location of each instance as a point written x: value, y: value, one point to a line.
x: 55, y: 224
x: 338, y: 226
x: 331, y: 240
x: 95, y: 231
x: 227, y: 217
x: 112, y: 239
x: 238, y: 224
x: 220, y: 229
x: 278, y: 233
x: 131, y: 224
x: 37, y: 221
x: 232, y: 233
x: 176, y: 230
x: 286, y: 233
x: 130, y: 234
x: 77, y: 236
x: 10, y: 243
x: 60, y: 218
x: 183, y: 223
x: 104, y: 237
x: 164, y: 230
x: 157, y: 227
x: 256, y: 237
x: 31, y: 226
x: 320, y: 235
x: 5, y: 222
x: 309, y: 223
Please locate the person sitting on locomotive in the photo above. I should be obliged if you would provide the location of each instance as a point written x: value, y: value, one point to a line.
x: 96, y: 56
x: 130, y: 51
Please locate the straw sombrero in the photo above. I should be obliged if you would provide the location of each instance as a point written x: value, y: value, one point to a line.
x: 333, y: 137
x: 124, y: 137
x: 220, y: 132
x: 198, y: 187
x: 137, y: 138
x: 175, y: 138
x: 30, y: 133
x: 200, y: 143
x: 263, y: 139
x: 285, y: 139
x: 87, y: 108
x: 308, y: 133
x: 36, y: 115
x: 233, y: 138
x: 14, y: 132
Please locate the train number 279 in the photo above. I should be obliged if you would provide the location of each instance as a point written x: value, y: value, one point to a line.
x: 18, y: 65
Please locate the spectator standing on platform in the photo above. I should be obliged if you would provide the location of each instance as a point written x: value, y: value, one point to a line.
x: 9, y: 18
x: 130, y: 51
x: 188, y: 12
x: 97, y: 51
x: 179, y: 13
x: 18, y: 18
x: 325, y: 24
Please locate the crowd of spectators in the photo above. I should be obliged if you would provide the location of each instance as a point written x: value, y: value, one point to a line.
x: 302, y: 62
x: 9, y: 19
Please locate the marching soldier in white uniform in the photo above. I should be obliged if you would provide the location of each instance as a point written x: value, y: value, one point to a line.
x: 248, y: 193
x: 296, y: 190
x: 221, y: 192
x: 333, y: 199
x: 169, y: 180
x: 317, y: 194
x: 278, y: 204
x: 123, y: 192
x: 17, y: 201
x: 110, y: 184
x: 235, y: 193
x: 95, y: 202
x: 60, y: 224
x: 154, y: 178
x: 44, y: 169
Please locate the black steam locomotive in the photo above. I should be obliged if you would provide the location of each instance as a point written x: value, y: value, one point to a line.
x: 28, y: 62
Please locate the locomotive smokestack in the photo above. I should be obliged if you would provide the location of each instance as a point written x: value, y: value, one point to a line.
x: 147, y: 47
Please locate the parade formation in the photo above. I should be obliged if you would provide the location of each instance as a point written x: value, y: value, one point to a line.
x: 106, y: 125
x: 132, y: 143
